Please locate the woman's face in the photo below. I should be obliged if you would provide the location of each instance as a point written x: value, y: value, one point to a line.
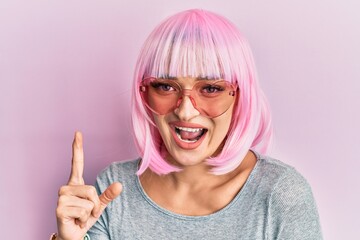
x: 188, y: 136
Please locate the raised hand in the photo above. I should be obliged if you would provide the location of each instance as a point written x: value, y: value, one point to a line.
x: 79, y: 206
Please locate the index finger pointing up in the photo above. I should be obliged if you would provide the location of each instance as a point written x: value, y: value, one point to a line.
x: 77, y: 166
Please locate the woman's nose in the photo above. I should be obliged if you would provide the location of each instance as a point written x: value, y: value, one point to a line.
x: 186, y: 108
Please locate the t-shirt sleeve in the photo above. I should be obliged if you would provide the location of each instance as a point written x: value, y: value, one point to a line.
x: 292, y: 210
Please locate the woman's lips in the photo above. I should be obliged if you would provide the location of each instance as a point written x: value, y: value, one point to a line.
x: 187, y: 135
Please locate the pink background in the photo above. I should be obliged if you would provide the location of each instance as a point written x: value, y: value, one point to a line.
x: 67, y: 65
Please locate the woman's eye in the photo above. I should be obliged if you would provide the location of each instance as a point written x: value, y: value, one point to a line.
x: 162, y: 86
x: 212, y: 89
x: 165, y: 87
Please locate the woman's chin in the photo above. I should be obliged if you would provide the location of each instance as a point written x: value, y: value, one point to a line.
x: 187, y: 160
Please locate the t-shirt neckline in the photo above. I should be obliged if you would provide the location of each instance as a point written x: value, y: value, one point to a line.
x: 202, y: 217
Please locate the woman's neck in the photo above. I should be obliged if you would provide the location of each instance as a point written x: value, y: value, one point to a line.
x: 195, y: 191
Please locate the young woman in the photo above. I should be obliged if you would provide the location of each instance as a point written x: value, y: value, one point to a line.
x: 202, y: 126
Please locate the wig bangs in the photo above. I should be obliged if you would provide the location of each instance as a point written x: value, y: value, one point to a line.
x: 189, y: 47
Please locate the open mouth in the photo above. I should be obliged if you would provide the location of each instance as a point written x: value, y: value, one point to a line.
x: 189, y: 135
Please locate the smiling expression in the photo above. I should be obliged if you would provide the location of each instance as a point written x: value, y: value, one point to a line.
x: 189, y: 137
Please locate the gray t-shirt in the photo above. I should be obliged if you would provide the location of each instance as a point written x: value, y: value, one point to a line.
x: 276, y: 202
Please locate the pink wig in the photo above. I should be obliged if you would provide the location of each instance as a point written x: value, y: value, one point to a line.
x: 197, y: 43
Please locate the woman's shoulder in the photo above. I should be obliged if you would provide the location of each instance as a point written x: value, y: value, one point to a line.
x: 119, y: 171
x: 284, y: 183
x: 289, y: 200
x: 129, y: 165
x: 275, y: 170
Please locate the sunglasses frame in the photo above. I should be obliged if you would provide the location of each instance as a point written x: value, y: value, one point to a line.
x: 185, y: 92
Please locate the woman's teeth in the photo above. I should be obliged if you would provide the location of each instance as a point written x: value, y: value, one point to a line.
x: 189, y: 135
x: 189, y: 129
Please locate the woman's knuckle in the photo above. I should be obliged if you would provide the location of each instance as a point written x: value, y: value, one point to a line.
x: 83, y: 212
x: 90, y: 205
x: 91, y: 190
x: 61, y: 200
x: 62, y: 190
x: 59, y: 212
